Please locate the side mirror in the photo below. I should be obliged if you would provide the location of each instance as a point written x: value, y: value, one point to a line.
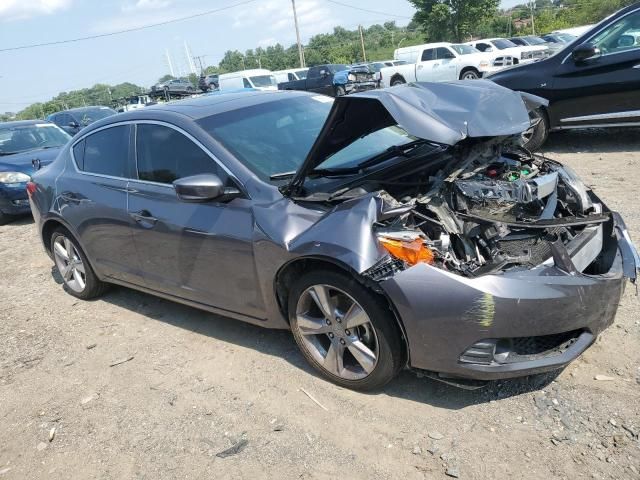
x: 324, y: 73
x: 74, y: 125
x: 584, y: 52
x: 448, y: 56
x: 202, y: 188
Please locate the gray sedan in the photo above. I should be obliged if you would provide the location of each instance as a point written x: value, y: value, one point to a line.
x: 399, y: 228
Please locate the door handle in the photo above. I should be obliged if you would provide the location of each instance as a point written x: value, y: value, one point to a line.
x: 143, y: 216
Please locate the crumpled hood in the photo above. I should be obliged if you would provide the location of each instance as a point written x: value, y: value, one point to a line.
x: 444, y: 113
x: 23, y: 162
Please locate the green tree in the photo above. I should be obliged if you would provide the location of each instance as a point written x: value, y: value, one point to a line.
x: 453, y: 20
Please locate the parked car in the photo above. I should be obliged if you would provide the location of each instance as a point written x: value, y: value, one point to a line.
x: 593, y: 82
x: 533, y: 41
x: 437, y: 62
x: 559, y: 38
x: 24, y: 147
x: 291, y: 75
x: 334, y: 79
x: 524, y: 54
x: 387, y: 229
x: 75, y: 119
x: 206, y: 83
x: 135, y: 102
x: 177, y: 85
x: 260, y: 79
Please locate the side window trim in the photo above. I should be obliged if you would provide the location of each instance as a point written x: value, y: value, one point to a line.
x: 190, y: 137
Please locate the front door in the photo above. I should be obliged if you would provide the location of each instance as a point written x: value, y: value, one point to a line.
x: 199, y: 251
x: 605, y: 89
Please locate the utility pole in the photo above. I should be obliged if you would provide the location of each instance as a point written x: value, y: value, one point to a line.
x: 199, y: 59
x: 533, y: 25
x: 364, y: 54
x: 189, y: 57
x: 295, y: 20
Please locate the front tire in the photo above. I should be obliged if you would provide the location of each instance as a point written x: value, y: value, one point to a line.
x: 345, y: 331
x: 79, y: 278
x: 537, y: 135
x: 340, y: 91
x: 397, y: 81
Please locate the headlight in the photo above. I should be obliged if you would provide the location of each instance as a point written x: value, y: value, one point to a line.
x: 351, y: 77
x: 409, y: 250
x: 13, y: 177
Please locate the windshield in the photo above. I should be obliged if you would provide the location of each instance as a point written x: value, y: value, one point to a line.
x: 271, y: 137
x: 502, y: 43
x: 465, y: 49
x: 275, y: 137
x: 261, y: 81
x: 95, y: 114
x: 31, y: 137
x: 301, y: 74
x: 535, y: 40
x: 366, y: 147
x: 337, y: 68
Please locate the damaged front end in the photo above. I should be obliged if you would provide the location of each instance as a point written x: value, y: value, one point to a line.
x: 502, y: 208
x: 497, y: 261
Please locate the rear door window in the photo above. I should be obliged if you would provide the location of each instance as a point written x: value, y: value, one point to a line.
x: 428, y: 54
x: 165, y: 155
x: 106, y: 152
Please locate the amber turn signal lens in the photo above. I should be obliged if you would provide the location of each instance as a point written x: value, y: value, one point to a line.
x: 411, y: 252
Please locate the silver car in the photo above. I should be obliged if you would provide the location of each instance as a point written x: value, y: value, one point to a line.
x: 399, y: 228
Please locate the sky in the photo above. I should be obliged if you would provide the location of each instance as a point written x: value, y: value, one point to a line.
x: 38, y: 74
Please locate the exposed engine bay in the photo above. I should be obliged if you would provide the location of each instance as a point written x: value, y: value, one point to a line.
x: 499, y: 207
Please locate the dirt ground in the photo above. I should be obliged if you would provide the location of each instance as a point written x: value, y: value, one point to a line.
x: 193, y: 384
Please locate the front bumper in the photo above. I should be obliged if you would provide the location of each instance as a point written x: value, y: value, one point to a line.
x: 360, y: 87
x: 446, y: 316
x: 14, y: 199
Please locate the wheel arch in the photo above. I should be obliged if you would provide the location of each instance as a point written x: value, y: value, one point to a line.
x: 397, y: 76
x: 469, y: 69
x: 290, y: 271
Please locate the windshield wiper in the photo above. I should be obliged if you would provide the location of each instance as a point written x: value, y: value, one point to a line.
x: 391, y: 152
x: 283, y: 175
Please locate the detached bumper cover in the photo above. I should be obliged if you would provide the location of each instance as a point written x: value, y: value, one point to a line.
x: 445, y: 315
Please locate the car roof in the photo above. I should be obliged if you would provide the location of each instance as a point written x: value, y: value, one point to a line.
x: 83, y: 109
x: 21, y: 123
x: 205, y: 105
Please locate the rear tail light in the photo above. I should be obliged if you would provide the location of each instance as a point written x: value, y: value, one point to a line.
x: 31, y: 188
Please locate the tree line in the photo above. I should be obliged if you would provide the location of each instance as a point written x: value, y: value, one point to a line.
x: 434, y: 21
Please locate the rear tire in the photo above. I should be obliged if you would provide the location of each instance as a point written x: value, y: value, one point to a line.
x: 79, y: 278
x: 344, y: 330
x: 537, y: 135
x: 469, y: 74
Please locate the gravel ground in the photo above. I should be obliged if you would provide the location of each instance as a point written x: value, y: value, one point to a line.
x: 192, y: 385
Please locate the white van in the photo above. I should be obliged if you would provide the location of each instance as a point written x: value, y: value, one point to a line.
x: 291, y: 75
x: 258, y: 78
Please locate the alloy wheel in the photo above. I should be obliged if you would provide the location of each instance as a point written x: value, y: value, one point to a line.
x: 337, y: 332
x: 69, y: 264
x: 470, y: 76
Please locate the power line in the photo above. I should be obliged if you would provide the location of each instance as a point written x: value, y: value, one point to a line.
x: 369, y: 11
x: 134, y: 29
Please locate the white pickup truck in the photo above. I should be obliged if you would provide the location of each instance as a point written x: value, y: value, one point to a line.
x: 524, y: 54
x: 438, y: 62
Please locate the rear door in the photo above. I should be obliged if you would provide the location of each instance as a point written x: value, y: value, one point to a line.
x: 92, y: 196
x: 425, y: 69
x: 199, y: 251
x: 319, y: 80
x: 604, y: 90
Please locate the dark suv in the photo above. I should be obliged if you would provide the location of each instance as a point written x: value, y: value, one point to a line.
x: 208, y: 82
x: 593, y: 82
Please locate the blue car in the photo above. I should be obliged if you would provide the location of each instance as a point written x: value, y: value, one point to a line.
x: 24, y: 147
